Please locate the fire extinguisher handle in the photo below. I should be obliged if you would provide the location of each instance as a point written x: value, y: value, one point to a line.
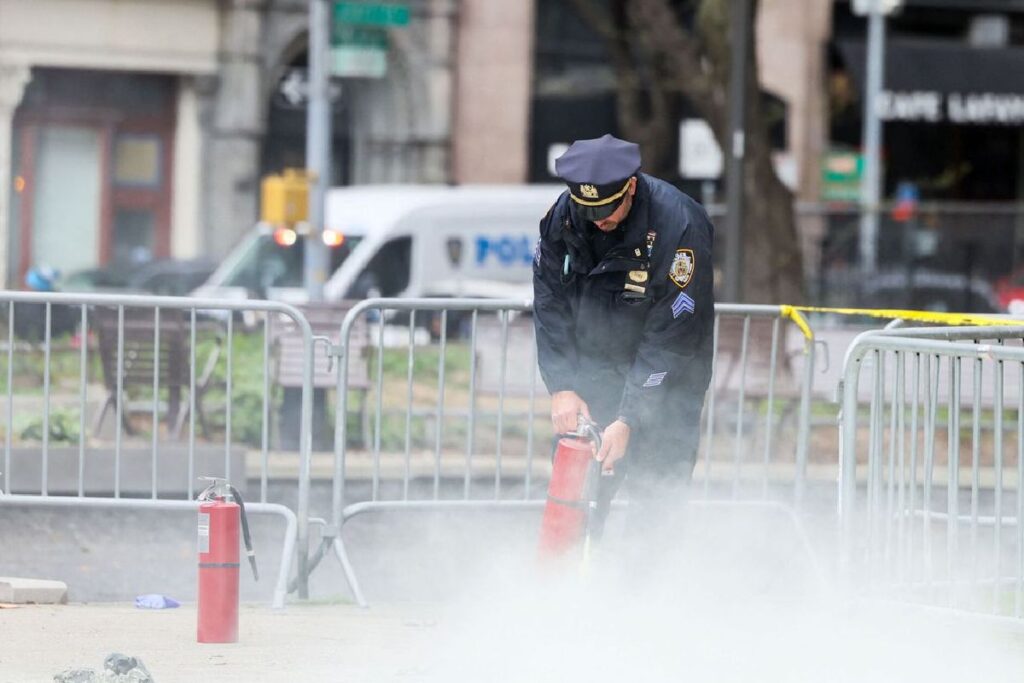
x: 589, y: 429
x: 245, y: 532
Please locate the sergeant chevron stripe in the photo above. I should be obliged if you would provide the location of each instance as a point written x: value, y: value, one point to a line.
x: 682, y: 304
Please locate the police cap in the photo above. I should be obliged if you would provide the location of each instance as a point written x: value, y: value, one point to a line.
x: 597, y: 172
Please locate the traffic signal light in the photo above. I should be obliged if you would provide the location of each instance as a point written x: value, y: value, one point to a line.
x: 285, y: 198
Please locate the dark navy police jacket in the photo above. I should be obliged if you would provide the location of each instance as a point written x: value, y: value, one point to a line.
x: 632, y: 333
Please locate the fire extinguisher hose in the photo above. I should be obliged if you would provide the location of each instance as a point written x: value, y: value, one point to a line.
x: 247, y: 539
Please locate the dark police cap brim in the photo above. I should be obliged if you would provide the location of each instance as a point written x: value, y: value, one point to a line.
x: 596, y: 213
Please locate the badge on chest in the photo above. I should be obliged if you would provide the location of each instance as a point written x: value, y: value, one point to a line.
x: 636, y: 280
x: 635, y: 284
x: 637, y: 276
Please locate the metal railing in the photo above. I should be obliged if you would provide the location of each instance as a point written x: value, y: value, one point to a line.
x: 759, y: 402
x: 456, y: 421
x: 456, y: 417
x: 932, y: 487
x: 143, y: 353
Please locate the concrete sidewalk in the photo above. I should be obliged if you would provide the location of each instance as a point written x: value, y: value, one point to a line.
x: 300, y: 643
x: 512, y: 638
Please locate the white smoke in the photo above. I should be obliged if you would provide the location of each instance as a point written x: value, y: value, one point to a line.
x: 737, y: 599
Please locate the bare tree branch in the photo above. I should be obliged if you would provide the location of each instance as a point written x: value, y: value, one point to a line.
x: 597, y: 18
x: 679, y: 61
x: 654, y: 56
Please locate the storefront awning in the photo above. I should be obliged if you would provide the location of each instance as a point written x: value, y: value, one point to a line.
x: 939, y: 81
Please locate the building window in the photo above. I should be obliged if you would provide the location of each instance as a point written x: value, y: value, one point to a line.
x: 133, y: 235
x: 137, y: 160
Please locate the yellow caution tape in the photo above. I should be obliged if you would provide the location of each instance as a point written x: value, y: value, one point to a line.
x: 933, y: 317
x: 793, y: 314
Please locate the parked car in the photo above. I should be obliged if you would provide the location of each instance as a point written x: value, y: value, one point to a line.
x: 1010, y: 292
x: 922, y: 288
x: 166, y: 277
x: 930, y: 290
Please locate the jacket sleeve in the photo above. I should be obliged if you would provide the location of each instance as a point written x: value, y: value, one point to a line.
x: 552, y: 314
x: 675, y: 348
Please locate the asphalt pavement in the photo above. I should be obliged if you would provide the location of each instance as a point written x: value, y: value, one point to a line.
x: 114, y: 555
x: 737, y: 603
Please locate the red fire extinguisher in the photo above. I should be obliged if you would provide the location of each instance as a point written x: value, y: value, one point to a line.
x: 220, y: 512
x: 572, y: 492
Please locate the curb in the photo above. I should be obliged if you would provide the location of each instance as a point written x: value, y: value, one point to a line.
x: 20, y: 591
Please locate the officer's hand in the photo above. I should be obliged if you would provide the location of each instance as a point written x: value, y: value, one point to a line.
x: 614, y: 442
x: 565, y: 407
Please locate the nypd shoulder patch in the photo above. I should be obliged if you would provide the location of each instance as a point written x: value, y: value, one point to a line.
x: 682, y: 304
x: 681, y: 270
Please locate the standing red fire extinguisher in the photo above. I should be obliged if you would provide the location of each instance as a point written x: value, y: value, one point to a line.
x: 220, y: 511
x: 572, y: 513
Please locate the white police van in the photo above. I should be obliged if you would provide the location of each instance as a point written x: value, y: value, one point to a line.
x: 400, y: 240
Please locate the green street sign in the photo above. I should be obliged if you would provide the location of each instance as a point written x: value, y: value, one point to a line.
x: 841, y: 175
x: 347, y: 35
x: 358, y: 62
x: 370, y: 14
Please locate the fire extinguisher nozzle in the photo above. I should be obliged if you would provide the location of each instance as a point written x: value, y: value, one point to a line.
x: 252, y: 563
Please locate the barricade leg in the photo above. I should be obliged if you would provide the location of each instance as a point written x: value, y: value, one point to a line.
x: 350, y: 573
x: 287, y: 550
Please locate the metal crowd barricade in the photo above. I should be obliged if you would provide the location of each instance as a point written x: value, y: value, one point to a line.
x: 151, y: 346
x: 437, y: 313
x: 931, y: 491
x: 477, y: 434
x: 757, y: 415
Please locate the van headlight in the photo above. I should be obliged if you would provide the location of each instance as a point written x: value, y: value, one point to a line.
x: 285, y: 237
x: 333, y: 238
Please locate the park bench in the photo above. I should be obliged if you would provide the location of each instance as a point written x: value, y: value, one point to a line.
x: 139, y: 358
x: 289, y: 355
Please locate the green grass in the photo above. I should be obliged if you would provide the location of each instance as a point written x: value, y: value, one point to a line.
x: 425, y: 364
x: 29, y: 368
x: 64, y: 426
x: 247, y: 369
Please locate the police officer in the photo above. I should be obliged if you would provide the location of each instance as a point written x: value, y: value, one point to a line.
x: 624, y: 311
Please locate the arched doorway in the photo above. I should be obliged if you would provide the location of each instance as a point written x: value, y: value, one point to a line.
x: 389, y: 130
x: 284, y: 144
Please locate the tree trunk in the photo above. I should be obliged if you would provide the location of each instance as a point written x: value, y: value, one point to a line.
x: 654, y: 52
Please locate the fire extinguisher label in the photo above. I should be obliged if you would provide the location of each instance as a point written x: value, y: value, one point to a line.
x: 204, y: 532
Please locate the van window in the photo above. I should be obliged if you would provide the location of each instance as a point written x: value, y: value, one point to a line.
x: 387, y: 273
x: 268, y: 264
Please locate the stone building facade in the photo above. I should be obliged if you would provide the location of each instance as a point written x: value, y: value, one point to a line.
x: 153, y: 121
x: 177, y: 175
